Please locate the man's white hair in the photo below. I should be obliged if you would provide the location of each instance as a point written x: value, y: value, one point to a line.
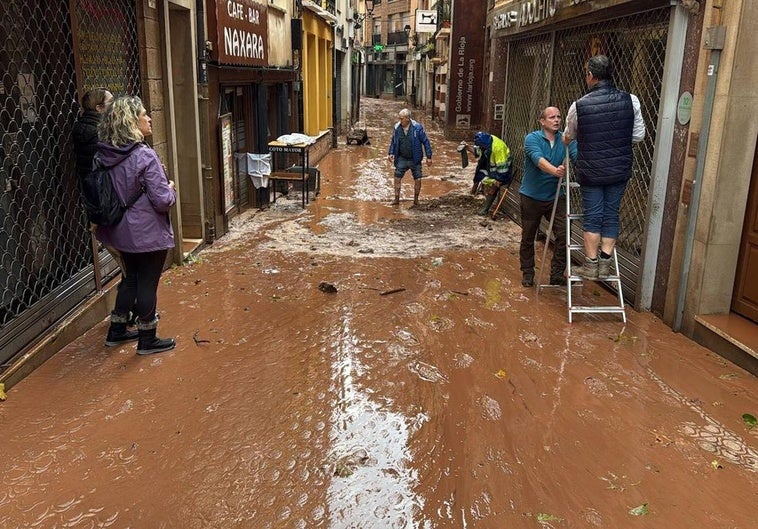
x: 405, y: 113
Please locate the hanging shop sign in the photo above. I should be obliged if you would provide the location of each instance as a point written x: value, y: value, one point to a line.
x: 242, y: 33
x: 426, y: 21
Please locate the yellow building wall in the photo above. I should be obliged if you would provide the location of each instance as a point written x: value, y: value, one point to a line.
x: 317, y: 74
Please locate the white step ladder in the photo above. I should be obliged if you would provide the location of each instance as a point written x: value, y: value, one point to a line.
x: 572, y: 280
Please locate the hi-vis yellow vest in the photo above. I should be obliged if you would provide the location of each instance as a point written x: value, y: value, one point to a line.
x: 500, y: 159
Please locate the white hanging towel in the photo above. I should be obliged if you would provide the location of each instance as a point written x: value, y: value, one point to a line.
x: 256, y: 166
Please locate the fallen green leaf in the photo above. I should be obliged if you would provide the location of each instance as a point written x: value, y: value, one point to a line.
x: 544, y: 517
x: 640, y: 510
x: 749, y: 420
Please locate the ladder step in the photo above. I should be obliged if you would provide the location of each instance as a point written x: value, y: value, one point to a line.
x: 605, y: 279
x: 576, y: 247
x: 575, y: 216
x: 600, y: 309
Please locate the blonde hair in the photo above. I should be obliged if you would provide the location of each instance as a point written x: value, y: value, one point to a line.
x: 120, y: 122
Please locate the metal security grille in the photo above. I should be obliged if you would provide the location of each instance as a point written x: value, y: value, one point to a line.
x: 46, y: 255
x: 549, y: 69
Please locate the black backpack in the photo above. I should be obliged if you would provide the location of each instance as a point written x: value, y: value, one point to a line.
x: 101, y: 201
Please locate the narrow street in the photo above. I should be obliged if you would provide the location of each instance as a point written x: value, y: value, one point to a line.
x: 431, y: 390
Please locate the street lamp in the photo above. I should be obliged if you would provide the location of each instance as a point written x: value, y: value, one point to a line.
x: 369, y: 11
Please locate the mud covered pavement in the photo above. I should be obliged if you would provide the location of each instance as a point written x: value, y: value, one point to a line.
x: 430, y: 390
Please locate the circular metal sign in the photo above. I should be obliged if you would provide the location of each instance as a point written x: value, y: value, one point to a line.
x: 684, y: 108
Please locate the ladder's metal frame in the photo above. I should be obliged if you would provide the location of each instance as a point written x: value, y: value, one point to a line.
x: 572, y: 279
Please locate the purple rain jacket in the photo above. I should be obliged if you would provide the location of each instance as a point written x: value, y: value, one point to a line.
x: 146, y: 226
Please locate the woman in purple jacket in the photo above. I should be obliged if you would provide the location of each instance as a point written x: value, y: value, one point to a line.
x: 144, y: 234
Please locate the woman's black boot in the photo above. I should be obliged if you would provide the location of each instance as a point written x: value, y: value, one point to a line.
x: 148, y: 342
x: 117, y: 332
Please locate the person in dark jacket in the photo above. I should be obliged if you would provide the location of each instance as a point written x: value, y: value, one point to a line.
x: 605, y: 123
x: 84, y: 133
x: 407, y: 147
x: 144, y: 235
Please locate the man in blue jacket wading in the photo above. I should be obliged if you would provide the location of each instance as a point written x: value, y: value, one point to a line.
x: 605, y: 122
x: 407, y: 147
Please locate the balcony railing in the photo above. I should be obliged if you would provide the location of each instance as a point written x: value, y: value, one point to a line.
x: 397, y: 37
x: 329, y: 5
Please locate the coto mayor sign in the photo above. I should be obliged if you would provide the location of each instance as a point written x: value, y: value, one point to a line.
x: 242, y: 32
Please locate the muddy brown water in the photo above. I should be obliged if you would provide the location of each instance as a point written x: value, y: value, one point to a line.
x: 459, y: 400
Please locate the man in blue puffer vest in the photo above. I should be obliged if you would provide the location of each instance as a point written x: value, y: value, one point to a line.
x: 605, y: 123
x: 407, y: 147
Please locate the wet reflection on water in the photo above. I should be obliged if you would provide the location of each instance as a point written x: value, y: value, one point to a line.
x: 370, y: 460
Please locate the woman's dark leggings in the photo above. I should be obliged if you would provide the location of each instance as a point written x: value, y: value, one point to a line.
x: 140, y: 284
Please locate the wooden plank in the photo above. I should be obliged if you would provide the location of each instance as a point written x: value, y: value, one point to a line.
x: 288, y: 176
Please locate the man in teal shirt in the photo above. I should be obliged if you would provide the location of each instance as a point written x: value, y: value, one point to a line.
x: 545, y: 155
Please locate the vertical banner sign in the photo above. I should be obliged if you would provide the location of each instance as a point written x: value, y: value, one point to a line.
x: 242, y: 32
x: 227, y: 159
x: 466, y: 68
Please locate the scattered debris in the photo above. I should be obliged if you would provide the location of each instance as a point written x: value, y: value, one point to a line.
x: 359, y: 136
x: 327, y: 287
x: 345, y: 466
x: 427, y: 372
x: 197, y: 340
x: 716, y: 465
x: 545, y: 518
x: 501, y: 374
x: 3, y: 396
x: 393, y: 291
x: 640, y: 510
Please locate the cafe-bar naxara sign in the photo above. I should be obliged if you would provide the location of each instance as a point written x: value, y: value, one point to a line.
x: 242, y: 31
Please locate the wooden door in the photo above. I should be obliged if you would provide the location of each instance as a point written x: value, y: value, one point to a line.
x: 745, y: 299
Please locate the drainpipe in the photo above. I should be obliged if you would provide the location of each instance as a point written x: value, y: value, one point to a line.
x: 714, y: 41
x: 203, y: 108
x: 336, y: 121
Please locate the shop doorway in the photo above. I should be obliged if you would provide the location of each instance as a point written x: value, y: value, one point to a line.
x: 745, y: 298
x: 183, y: 121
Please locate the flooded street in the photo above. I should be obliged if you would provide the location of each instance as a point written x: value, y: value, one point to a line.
x: 431, y: 390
